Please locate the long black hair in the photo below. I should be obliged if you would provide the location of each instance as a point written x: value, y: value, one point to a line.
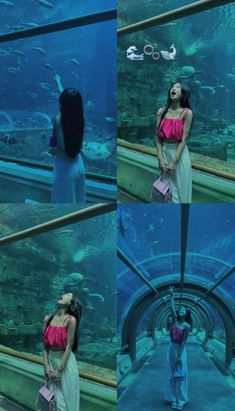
x: 184, y: 101
x: 72, y: 120
x: 74, y: 309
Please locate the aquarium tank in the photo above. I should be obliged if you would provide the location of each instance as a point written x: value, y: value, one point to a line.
x: 150, y: 238
x: 84, y: 57
x: 78, y: 258
x: 196, y: 50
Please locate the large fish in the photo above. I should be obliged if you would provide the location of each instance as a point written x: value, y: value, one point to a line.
x: 46, y: 3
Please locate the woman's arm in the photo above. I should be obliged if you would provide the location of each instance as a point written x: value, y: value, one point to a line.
x: 71, y: 333
x: 182, y: 144
x: 161, y: 160
x: 47, y: 369
x: 173, y: 312
x: 185, y: 336
x: 57, y: 79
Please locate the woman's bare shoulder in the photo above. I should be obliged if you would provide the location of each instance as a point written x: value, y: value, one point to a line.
x: 46, y: 318
x: 160, y: 111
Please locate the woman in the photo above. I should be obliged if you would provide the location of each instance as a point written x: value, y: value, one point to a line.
x: 176, y: 389
x: 173, y: 128
x: 60, y: 340
x: 66, y: 144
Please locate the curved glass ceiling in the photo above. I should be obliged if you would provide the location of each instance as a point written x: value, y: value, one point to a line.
x: 150, y: 237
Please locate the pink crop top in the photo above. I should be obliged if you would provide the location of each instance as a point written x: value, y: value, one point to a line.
x: 171, y: 128
x: 176, y: 334
x: 55, y: 336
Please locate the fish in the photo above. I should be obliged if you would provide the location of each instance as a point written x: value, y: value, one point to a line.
x: 13, y: 69
x: 210, y: 89
x: 46, y: 4
x: 20, y: 53
x: 46, y: 86
x: 155, y: 242
x: 231, y: 76
x: 109, y: 119
x: 74, y: 61
x: 33, y: 95
x: 99, y: 296
x: 6, y: 3
x: 39, y: 49
x: 64, y: 232
x: 4, y: 53
x: 30, y: 25
x: 167, y: 55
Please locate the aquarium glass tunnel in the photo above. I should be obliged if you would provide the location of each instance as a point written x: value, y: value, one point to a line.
x: 190, y: 248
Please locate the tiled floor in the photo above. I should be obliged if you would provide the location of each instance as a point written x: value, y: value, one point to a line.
x: 208, y: 388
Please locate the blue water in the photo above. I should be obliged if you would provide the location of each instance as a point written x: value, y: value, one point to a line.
x: 83, y: 57
x: 37, y: 270
x: 204, y: 62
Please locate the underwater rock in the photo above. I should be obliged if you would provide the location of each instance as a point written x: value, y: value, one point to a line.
x: 97, y: 151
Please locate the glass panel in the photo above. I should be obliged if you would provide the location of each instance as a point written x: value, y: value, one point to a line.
x: 29, y: 98
x: 37, y: 270
x: 204, y: 62
x: 28, y: 14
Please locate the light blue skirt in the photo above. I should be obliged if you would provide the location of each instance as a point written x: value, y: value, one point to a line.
x: 68, y: 180
x: 176, y: 391
x: 67, y: 390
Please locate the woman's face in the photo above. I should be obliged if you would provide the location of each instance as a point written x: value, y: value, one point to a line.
x: 175, y: 92
x: 65, y: 299
x: 182, y: 312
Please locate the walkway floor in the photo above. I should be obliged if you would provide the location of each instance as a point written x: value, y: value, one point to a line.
x: 209, y: 390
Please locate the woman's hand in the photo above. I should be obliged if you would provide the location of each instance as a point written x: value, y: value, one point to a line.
x: 162, y: 164
x: 57, y: 375
x: 56, y: 77
x: 171, y: 289
x: 48, y: 372
x: 172, y: 166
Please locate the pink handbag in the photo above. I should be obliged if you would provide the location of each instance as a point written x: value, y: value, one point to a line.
x: 161, y: 191
x: 46, y: 398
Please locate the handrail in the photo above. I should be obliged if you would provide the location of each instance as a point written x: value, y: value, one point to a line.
x: 196, y: 166
x: 36, y: 164
x: 184, y: 11
x: 71, y: 218
x: 37, y: 360
x: 61, y: 25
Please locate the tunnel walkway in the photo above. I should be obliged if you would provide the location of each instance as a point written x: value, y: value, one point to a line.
x: 208, y: 388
